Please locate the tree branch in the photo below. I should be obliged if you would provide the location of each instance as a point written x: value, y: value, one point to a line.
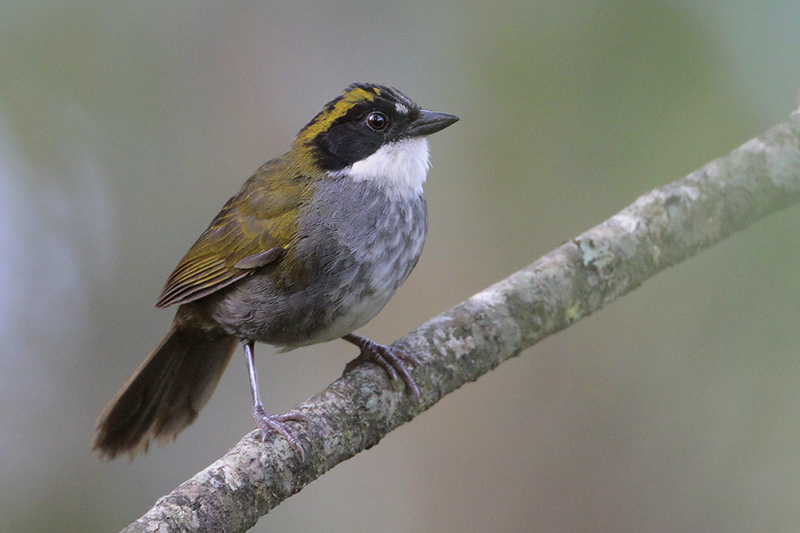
x: 660, y: 229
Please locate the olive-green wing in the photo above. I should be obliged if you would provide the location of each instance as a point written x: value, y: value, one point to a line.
x: 252, y: 230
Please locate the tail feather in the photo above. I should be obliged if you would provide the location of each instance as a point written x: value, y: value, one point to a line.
x: 165, y: 394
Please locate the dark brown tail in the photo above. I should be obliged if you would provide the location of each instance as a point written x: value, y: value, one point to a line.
x: 165, y: 394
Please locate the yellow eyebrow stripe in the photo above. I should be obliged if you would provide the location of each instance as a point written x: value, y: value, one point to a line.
x: 348, y: 100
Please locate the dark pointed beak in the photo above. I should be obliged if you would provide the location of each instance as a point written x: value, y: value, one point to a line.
x: 429, y: 122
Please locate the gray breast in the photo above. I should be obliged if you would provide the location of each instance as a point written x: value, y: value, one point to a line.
x: 357, y: 244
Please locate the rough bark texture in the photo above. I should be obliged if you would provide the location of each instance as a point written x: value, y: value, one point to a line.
x: 660, y: 229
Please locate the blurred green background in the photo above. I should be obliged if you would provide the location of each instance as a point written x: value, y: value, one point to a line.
x: 125, y: 126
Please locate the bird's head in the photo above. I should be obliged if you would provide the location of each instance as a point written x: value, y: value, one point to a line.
x: 372, y: 132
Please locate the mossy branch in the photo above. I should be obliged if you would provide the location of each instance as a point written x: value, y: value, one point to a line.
x: 660, y: 229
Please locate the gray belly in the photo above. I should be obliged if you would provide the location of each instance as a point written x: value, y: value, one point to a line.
x: 357, y: 248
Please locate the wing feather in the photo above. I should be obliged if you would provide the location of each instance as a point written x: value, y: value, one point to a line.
x: 261, y: 218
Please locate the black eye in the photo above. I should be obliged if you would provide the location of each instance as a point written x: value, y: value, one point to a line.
x: 377, y: 121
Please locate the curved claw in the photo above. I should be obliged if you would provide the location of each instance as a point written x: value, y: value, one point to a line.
x: 392, y: 360
x: 264, y: 421
x: 267, y: 422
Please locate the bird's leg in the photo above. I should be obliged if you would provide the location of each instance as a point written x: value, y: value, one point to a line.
x: 265, y: 421
x: 391, y: 360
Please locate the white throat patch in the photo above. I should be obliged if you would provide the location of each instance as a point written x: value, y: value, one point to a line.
x: 401, y: 167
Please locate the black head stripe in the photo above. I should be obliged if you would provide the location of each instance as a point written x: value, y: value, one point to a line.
x: 339, y: 135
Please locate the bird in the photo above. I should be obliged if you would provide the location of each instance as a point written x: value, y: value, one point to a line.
x: 310, y: 249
